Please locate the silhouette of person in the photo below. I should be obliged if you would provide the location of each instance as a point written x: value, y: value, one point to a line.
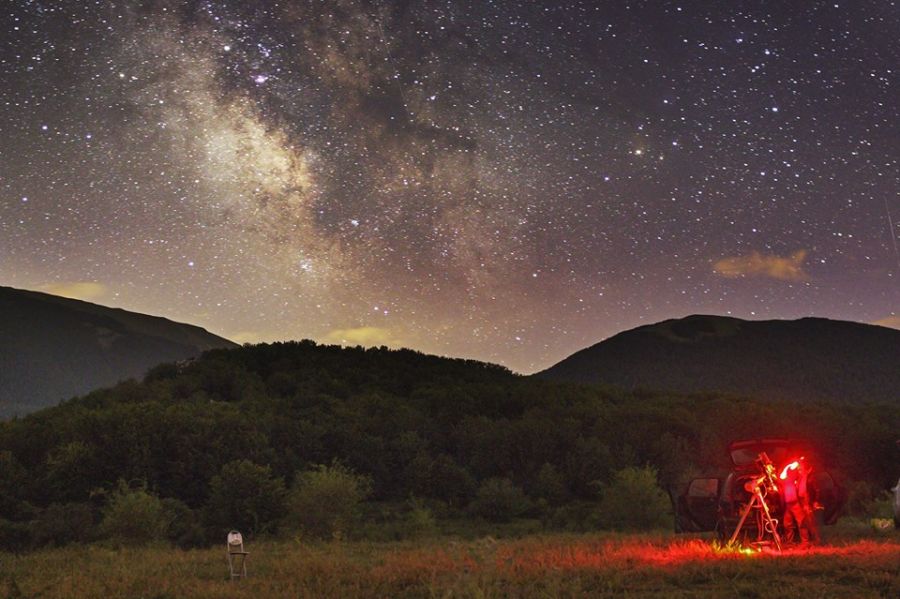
x: 798, y: 506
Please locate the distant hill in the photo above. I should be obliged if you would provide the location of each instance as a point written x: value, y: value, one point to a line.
x: 802, y: 360
x: 53, y: 348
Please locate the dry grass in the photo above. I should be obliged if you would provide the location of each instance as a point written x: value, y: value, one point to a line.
x: 863, y: 565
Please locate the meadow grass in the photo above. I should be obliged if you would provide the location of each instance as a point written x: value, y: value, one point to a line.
x: 856, y: 562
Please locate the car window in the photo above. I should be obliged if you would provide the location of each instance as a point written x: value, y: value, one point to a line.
x: 744, y: 456
x: 704, y: 487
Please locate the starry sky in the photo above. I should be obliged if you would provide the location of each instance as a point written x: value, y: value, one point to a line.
x: 500, y: 180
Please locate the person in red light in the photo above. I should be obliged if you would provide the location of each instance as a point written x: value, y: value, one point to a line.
x: 799, y: 513
x: 806, y: 491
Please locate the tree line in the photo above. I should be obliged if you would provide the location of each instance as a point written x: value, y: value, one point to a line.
x: 267, y: 436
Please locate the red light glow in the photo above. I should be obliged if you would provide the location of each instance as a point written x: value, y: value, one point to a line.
x: 534, y: 557
x: 792, y: 466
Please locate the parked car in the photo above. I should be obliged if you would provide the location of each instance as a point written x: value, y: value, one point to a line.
x: 896, y: 491
x: 716, y: 503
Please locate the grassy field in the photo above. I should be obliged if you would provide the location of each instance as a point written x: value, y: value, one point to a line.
x: 855, y: 563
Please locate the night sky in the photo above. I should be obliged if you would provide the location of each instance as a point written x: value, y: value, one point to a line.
x: 506, y: 181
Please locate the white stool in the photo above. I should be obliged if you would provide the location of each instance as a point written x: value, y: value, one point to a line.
x: 237, y: 557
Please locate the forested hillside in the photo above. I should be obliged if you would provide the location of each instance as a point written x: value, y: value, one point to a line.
x: 52, y: 348
x: 450, y: 434
x: 809, y: 359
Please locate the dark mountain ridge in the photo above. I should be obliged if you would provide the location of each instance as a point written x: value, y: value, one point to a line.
x: 53, y: 348
x: 808, y: 359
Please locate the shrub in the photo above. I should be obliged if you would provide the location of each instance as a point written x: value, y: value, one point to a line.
x: 550, y: 486
x: 580, y: 516
x: 134, y: 516
x: 183, y: 527
x: 419, y: 521
x: 14, y: 536
x: 634, y: 501
x: 865, y: 500
x: 880, y: 506
x: 71, y: 469
x: 162, y: 372
x: 245, y: 496
x: 14, y: 483
x: 60, y: 524
x: 499, y: 500
x: 441, y: 478
x: 587, y: 462
x: 325, y: 500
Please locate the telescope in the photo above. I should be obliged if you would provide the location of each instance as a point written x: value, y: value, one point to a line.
x: 759, y: 487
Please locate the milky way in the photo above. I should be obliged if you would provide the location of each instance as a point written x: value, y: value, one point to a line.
x: 507, y: 181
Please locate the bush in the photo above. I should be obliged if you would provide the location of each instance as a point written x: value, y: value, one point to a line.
x: 14, y: 482
x: 162, y: 372
x: 183, y: 527
x: 71, y: 470
x: 440, y: 478
x: 14, y: 536
x: 61, y: 524
x: 134, y: 516
x: 575, y: 516
x: 499, y: 500
x: 419, y: 521
x: 865, y: 500
x: 550, y: 486
x: 325, y: 501
x: 880, y: 506
x: 634, y: 501
x: 246, y: 497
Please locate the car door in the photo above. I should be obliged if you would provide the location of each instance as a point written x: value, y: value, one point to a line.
x: 896, y: 491
x: 697, y: 508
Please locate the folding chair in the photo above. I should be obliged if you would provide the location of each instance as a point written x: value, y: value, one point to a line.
x: 237, y: 557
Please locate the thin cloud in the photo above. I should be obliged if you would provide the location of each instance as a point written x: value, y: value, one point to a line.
x: 80, y: 290
x: 781, y: 268
x: 243, y: 337
x: 366, y: 336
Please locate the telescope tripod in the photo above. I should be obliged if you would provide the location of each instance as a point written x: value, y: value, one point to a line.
x: 765, y: 523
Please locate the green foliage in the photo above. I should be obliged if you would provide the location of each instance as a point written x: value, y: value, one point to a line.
x: 420, y: 521
x: 881, y: 506
x: 550, y: 486
x: 162, y: 372
x: 441, y: 478
x: 589, y: 462
x: 182, y: 524
x: 499, y: 500
x: 134, y: 516
x: 634, y: 501
x: 246, y: 497
x: 14, y: 536
x: 575, y: 516
x: 325, y: 501
x: 13, y: 485
x: 412, y: 425
x: 69, y: 468
x: 865, y: 500
x: 60, y: 524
